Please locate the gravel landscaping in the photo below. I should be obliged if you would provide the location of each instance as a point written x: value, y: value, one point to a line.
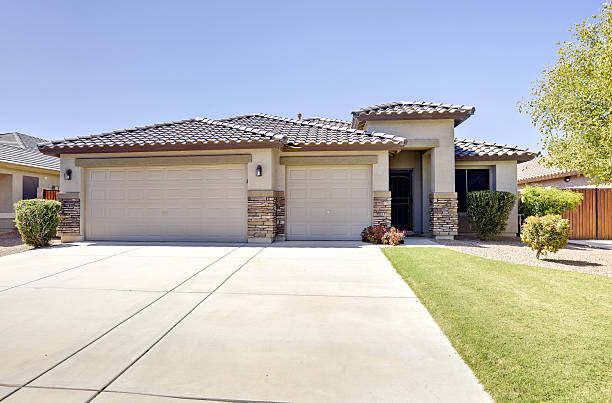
x: 573, y: 257
x: 10, y: 242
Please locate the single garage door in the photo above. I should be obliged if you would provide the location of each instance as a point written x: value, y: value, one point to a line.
x: 195, y: 203
x: 328, y: 202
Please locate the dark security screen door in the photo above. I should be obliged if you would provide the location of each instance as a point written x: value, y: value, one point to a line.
x: 400, y: 183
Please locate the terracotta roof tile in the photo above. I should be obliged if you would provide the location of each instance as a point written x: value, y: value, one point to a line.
x: 413, y: 109
x: 306, y: 132
x: 472, y: 149
x: 534, y: 171
x: 184, y: 132
x: 330, y: 122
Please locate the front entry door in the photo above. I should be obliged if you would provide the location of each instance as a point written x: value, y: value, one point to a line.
x: 400, y: 183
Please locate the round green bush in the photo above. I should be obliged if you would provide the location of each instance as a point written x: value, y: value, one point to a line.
x: 37, y: 220
x: 545, y: 234
x: 537, y: 200
x: 489, y: 211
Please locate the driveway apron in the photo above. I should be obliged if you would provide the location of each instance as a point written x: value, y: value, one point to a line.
x: 290, y: 322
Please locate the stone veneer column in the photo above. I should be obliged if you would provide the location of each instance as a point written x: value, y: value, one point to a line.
x: 279, y: 203
x: 381, y: 208
x: 444, y: 219
x: 261, y: 216
x: 69, y: 227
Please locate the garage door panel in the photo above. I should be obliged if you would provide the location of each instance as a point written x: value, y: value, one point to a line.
x: 157, y: 204
x: 327, y: 202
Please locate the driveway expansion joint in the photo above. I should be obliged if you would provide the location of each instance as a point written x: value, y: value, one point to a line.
x: 26, y: 384
x: 180, y: 319
x: 70, y: 268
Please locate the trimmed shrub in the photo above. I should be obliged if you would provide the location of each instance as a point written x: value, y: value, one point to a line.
x: 545, y: 234
x: 37, y: 220
x: 539, y: 201
x: 373, y: 234
x: 489, y: 211
x: 393, y: 237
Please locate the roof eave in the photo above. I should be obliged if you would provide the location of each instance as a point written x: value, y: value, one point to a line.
x: 514, y: 157
x: 23, y: 167
x: 57, y: 151
x: 457, y: 117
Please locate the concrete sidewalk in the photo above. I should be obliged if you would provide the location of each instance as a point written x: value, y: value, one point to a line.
x: 291, y: 322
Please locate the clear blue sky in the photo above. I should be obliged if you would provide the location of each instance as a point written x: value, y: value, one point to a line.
x: 80, y: 67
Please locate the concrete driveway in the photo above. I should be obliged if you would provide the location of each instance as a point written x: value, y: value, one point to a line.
x: 291, y: 322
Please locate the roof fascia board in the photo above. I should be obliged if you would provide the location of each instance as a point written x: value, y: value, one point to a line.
x: 217, y: 159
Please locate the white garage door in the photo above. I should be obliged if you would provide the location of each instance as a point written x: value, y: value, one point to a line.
x: 328, y: 202
x: 196, y: 203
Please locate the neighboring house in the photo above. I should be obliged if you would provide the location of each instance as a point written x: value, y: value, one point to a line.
x: 261, y: 177
x: 24, y: 173
x: 535, y: 173
x: 593, y: 218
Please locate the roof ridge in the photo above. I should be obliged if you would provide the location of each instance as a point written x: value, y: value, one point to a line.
x: 322, y: 125
x: 420, y: 103
x: 327, y: 119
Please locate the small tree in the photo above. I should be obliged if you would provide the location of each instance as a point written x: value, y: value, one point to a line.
x: 37, y: 220
x: 545, y: 234
x: 489, y: 211
x: 539, y: 201
x: 571, y: 104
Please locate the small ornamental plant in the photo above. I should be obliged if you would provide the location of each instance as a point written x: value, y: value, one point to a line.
x: 545, y: 234
x: 373, y: 234
x: 393, y: 237
x: 37, y: 220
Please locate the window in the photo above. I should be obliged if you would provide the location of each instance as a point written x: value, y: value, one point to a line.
x: 30, y: 187
x: 469, y: 180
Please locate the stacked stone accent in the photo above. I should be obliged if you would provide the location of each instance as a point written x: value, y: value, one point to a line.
x: 444, y: 219
x: 279, y: 200
x: 381, y: 208
x: 261, y: 216
x: 70, y: 216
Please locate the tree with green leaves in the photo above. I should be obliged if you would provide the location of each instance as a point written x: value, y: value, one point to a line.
x: 571, y: 103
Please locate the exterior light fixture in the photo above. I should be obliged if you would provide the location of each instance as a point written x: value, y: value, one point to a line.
x: 567, y: 179
x: 258, y: 170
x: 68, y: 174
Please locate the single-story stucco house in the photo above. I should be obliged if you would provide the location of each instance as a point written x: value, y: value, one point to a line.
x: 260, y: 177
x: 25, y: 173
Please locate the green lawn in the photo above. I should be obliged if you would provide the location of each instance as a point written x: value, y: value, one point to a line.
x: 528, y: 333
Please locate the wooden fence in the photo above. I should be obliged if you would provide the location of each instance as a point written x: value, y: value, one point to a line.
x: 593, y: 218
x: 50, y: 194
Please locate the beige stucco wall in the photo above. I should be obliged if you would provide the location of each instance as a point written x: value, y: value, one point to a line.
x: 442, y: 157
x: 380, y: 170
x: 11, y: 190
x: 502, y: 176
x: 411, y: 160
x: 273, y: 177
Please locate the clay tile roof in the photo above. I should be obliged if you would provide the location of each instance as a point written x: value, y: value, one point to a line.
x: 21, y: 149
x: 330, y: 122
x: 415, y: 110
x: 480, y: 150
x: 183, y: 134
x: 306, y: 132
x: 535, y: 171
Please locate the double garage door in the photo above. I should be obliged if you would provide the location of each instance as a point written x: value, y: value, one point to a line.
x: 209, y: 203
x: 167, y: 204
